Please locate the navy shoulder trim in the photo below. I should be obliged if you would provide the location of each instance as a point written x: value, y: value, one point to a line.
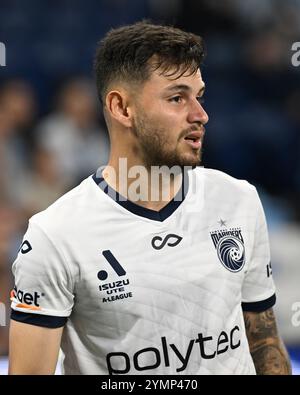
x: 260, y: 306
x: 47, y: 321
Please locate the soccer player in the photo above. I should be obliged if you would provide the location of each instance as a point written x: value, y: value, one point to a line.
x: 130, y: 276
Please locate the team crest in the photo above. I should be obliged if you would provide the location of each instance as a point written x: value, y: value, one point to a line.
x: 230, y: 247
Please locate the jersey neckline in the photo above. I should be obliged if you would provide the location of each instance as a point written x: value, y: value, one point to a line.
x: 134, y: 208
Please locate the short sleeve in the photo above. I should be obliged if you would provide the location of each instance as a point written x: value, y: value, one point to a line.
x: 258, y: 291
x: 43, y: 291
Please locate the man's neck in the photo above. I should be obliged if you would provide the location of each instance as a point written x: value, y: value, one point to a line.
x: 149, y: 188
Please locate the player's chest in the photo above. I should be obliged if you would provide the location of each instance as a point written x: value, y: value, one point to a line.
x: 143, y: 264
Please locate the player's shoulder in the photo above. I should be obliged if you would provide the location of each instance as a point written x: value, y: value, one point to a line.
x: 222, y: 182
x: 66, y: 211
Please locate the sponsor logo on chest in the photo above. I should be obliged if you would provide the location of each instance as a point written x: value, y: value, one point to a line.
x: 115, y: 290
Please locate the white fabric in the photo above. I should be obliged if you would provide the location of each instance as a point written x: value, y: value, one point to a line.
x: 184, y: 299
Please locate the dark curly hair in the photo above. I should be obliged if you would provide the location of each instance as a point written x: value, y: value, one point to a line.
x: 124, y: 54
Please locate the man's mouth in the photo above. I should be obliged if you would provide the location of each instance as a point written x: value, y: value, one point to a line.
x: 194, y: 139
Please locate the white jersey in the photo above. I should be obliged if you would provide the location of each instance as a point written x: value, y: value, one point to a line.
x: 146, y: 292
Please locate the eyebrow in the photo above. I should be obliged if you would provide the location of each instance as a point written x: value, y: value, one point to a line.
x: 184, y: 88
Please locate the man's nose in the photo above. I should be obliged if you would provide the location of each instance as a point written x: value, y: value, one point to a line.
x: 197, y: 114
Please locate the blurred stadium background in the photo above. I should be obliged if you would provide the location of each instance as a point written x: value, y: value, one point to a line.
x: 52, y: 133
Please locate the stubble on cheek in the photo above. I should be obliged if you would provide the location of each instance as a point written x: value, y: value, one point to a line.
x: 162, y: 146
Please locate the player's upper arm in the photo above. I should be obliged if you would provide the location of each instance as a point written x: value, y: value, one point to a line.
x: 258, y: 290
x: 33, y: 349
x: 43, y: 281
x: 42, y: 300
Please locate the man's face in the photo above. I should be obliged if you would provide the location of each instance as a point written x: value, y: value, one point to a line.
x: 169, y: 120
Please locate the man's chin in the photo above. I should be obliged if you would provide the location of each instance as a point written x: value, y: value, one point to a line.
x: 171, y: 159
x: 191, y: 160
x: 187, y: 160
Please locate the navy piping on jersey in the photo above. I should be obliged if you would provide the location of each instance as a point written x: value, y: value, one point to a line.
x: 160, y: 215
x: 262, y: 305
x: 47, y: 321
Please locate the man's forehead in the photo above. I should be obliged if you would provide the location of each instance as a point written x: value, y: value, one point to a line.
x: 169, y: 79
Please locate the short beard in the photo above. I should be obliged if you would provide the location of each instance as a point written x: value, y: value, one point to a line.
x: 153, y: 146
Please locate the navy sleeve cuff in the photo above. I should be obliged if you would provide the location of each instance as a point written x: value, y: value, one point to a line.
x: 47, y: 321
x: 262, y: 305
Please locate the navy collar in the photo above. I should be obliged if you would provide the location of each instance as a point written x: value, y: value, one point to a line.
x: 160, y: 215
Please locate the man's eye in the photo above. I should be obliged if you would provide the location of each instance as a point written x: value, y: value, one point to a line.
x: 200, y: 99
x: 176, y: 99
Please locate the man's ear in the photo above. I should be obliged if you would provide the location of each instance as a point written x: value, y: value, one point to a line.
x: 118, y: 106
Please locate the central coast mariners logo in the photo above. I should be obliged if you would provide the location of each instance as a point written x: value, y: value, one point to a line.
x: 229, y: 244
